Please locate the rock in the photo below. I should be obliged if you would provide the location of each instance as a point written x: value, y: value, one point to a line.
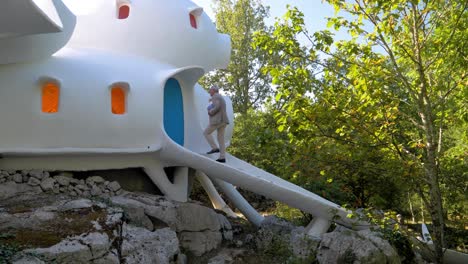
x: 18, y: 178
x: 181, y: 259
x: 74, y: 181
x: 355, y: 247
x: 110, y: 258
x: 82, y: 187
x: 98, y: 243
x: 302, y: 245
x: 38, y: 174
x: 47, y: 184
x: 95, y: 191
x: 25, y: 178
x: 200, y: 243
x: 207, y: 219
x: 95, y: 180
x: 226, y: 228
x: 166, y: 216
x: 10, y: 189
x: 114, y: 186
x: 226, y: 256
x: 67, y: 251
x: 79, y: 249
x: 34, y: 181
x: 27, y: 259
x: 239, y: 243
x: 273, y: 229
x: 137, y: 217
x: 63, y: 180
x: 76, y: 204
x: 142, y: 246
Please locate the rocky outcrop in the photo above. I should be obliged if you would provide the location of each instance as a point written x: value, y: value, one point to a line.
x: 59, y: 219
x: 198, y: 237
x: 347, y: 246
x: 66, y: 220
x: 37, y: 180
x: 284, y: 236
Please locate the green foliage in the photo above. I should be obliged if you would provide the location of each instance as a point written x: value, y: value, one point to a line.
x: 379, y: 108
x: 247, y: 86
x: 257, y: 141
x: 292, y: 215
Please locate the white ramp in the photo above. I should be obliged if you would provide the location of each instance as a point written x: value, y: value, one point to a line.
x: 243, y: 174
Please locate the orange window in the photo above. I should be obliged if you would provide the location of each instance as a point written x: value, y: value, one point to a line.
x: 118, y: 100
x: 50, y: 97
x: 193, y: 21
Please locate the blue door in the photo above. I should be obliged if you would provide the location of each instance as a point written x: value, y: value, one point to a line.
x: 174, y: 111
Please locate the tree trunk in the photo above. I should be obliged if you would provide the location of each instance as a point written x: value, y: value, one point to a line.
x: 435, y: 209
x: 411, y: 208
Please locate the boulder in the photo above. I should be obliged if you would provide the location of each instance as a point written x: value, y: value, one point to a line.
x: 200, y: 243
x: 142, y: 246
x: 63, y: 180
x: 285, y: 236
x: 348, y: 246
x: 95, y: 180
x: 76, y: 204
x: 114, y: 186
x: 47, y: 184
x: 10, y: 189
x: 206, y: 218
x: 27, y: 259
x: 18, y: 178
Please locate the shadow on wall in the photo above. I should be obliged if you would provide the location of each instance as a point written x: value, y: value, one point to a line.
x: 131, y: 179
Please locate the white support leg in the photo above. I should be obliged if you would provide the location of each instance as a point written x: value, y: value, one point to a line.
x: 236, y: 198
x: 177, y: 191
x: 215, y: 198
x: 318, y: 227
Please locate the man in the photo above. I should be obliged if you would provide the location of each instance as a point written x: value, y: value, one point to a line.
x: 218, y: 121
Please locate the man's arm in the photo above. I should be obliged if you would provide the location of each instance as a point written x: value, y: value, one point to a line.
x: 216, y: 105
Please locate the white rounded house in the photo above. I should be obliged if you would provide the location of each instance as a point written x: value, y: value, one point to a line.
x: 110, y: 84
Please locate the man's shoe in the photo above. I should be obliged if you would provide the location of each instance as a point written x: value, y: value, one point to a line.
x: 221, y: 160
x: 213, y: 151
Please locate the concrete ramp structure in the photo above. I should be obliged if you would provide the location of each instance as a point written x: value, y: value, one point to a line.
x: 247, y: 176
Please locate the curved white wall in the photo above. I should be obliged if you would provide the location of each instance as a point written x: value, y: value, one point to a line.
x: 84, y: 121
x: 22, y: 44
x: 155, y: 29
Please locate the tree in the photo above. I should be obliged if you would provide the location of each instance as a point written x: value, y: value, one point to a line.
x: 397, y: 100
x: 242, y: 80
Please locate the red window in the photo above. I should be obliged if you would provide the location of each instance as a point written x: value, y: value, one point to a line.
x: 124, y: 11
x: 193, y: 21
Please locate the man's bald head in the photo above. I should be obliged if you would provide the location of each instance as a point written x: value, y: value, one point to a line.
x: 213, y: 89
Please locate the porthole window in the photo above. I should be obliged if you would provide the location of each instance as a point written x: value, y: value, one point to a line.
x: 50, y: 96
x: 123, y: 10
x: 193, y: 21
x: 194, y: 15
